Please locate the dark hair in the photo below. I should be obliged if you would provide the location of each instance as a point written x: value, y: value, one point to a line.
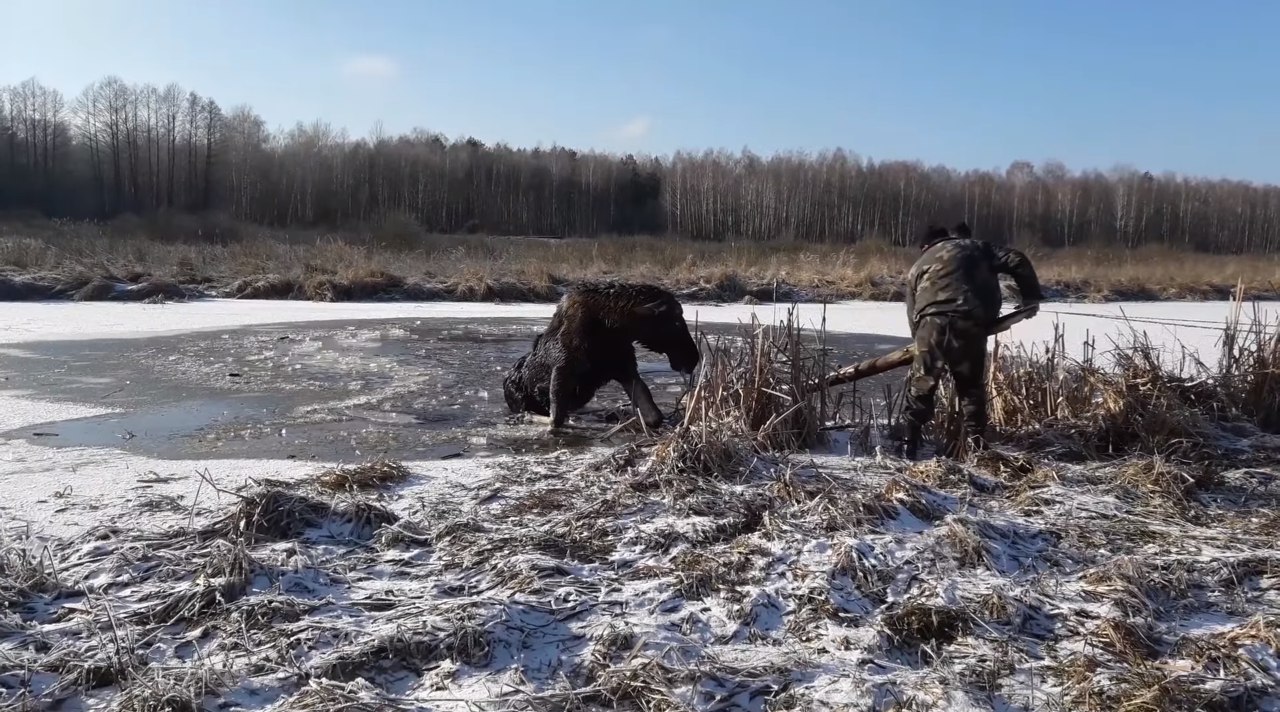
x: 932, y: 234
x: 962, y: 229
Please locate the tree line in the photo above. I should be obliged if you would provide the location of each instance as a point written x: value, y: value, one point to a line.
x: 118, y: 148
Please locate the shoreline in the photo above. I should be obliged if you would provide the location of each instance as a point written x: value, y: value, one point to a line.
x: 382, y: 288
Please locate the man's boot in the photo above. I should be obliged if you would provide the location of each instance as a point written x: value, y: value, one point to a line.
x: 978, y: 443
x: 975, y: 433
x: 911, y: 444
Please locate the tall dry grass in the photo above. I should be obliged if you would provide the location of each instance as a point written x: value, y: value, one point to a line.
x: 754, y: 397
x: 247, y: 262
x: 1137, y: 399
x: 751, y: 397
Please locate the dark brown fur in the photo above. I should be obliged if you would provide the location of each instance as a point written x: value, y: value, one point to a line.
x: 590, y: 341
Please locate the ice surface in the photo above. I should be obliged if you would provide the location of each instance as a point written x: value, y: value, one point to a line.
x: 1195, y: 325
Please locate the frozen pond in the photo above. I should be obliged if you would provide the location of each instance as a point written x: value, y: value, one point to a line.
x: 421, y: 389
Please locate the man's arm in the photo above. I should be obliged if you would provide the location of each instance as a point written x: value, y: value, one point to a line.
x: 910, y: 299
x: 1015, y: 264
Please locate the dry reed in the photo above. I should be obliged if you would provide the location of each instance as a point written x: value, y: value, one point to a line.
x: 375, y: 473
x: 1140, y: 403
x: 750, y: 398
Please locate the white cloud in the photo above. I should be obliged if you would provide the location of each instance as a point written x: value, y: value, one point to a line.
x: 636, y: 128
x: 370, y: 66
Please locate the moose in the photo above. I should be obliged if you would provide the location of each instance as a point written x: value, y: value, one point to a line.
x: 590, y: 341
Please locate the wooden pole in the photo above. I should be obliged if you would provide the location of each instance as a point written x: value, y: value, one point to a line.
x: 904, y: 356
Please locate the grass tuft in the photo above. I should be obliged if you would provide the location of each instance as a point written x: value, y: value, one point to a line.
x: 1181, y: 412
x: 275, y: 514
x: 376, y: 473
x: 750, y: 399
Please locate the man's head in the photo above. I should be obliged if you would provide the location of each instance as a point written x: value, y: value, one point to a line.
x: 932, y: 236
x: 936, y: 233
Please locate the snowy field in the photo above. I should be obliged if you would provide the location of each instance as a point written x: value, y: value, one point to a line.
x: 544, y: 582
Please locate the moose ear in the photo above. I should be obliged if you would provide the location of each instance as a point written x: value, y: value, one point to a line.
x: 652, y: 308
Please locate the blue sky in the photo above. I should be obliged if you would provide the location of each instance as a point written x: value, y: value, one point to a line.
x: 1174, y: 85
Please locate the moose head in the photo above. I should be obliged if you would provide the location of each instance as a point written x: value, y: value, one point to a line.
x: 660, y: 327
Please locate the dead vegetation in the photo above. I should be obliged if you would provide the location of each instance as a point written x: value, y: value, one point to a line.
x: 750, y: 400
x: 279, y: 514
x: 1135, y: 399
x: 84, y: 287
x: 375, y: 473
x: 41, y: 261
x: 142, y: 289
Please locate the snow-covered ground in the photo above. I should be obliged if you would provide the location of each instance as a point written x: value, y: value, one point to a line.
x: 511, y: 576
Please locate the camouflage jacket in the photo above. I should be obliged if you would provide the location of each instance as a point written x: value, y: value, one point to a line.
x: 960, y: 277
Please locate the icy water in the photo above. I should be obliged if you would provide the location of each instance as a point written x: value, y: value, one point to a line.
x: 344, y: 391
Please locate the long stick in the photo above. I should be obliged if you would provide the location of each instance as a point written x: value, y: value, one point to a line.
x: 904, y: 355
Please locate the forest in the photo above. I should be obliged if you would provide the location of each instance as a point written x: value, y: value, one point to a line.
x: 117, y: 148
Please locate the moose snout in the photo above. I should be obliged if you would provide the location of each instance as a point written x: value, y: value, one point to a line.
x: 684, y: 365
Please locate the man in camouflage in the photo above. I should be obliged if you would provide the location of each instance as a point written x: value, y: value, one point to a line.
x: 953, y: 301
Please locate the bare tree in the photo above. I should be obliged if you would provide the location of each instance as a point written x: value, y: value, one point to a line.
x: 121, y: 148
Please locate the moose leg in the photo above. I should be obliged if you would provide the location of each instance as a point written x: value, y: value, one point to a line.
x: 642, y: 400
x: 559, y: 397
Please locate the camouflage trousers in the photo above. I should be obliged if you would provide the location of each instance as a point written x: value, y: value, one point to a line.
x: 960, y: 346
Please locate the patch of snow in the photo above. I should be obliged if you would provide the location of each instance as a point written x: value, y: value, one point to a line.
x: 25, y: 322
x: 63, y: 491
x: 19, y: 409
